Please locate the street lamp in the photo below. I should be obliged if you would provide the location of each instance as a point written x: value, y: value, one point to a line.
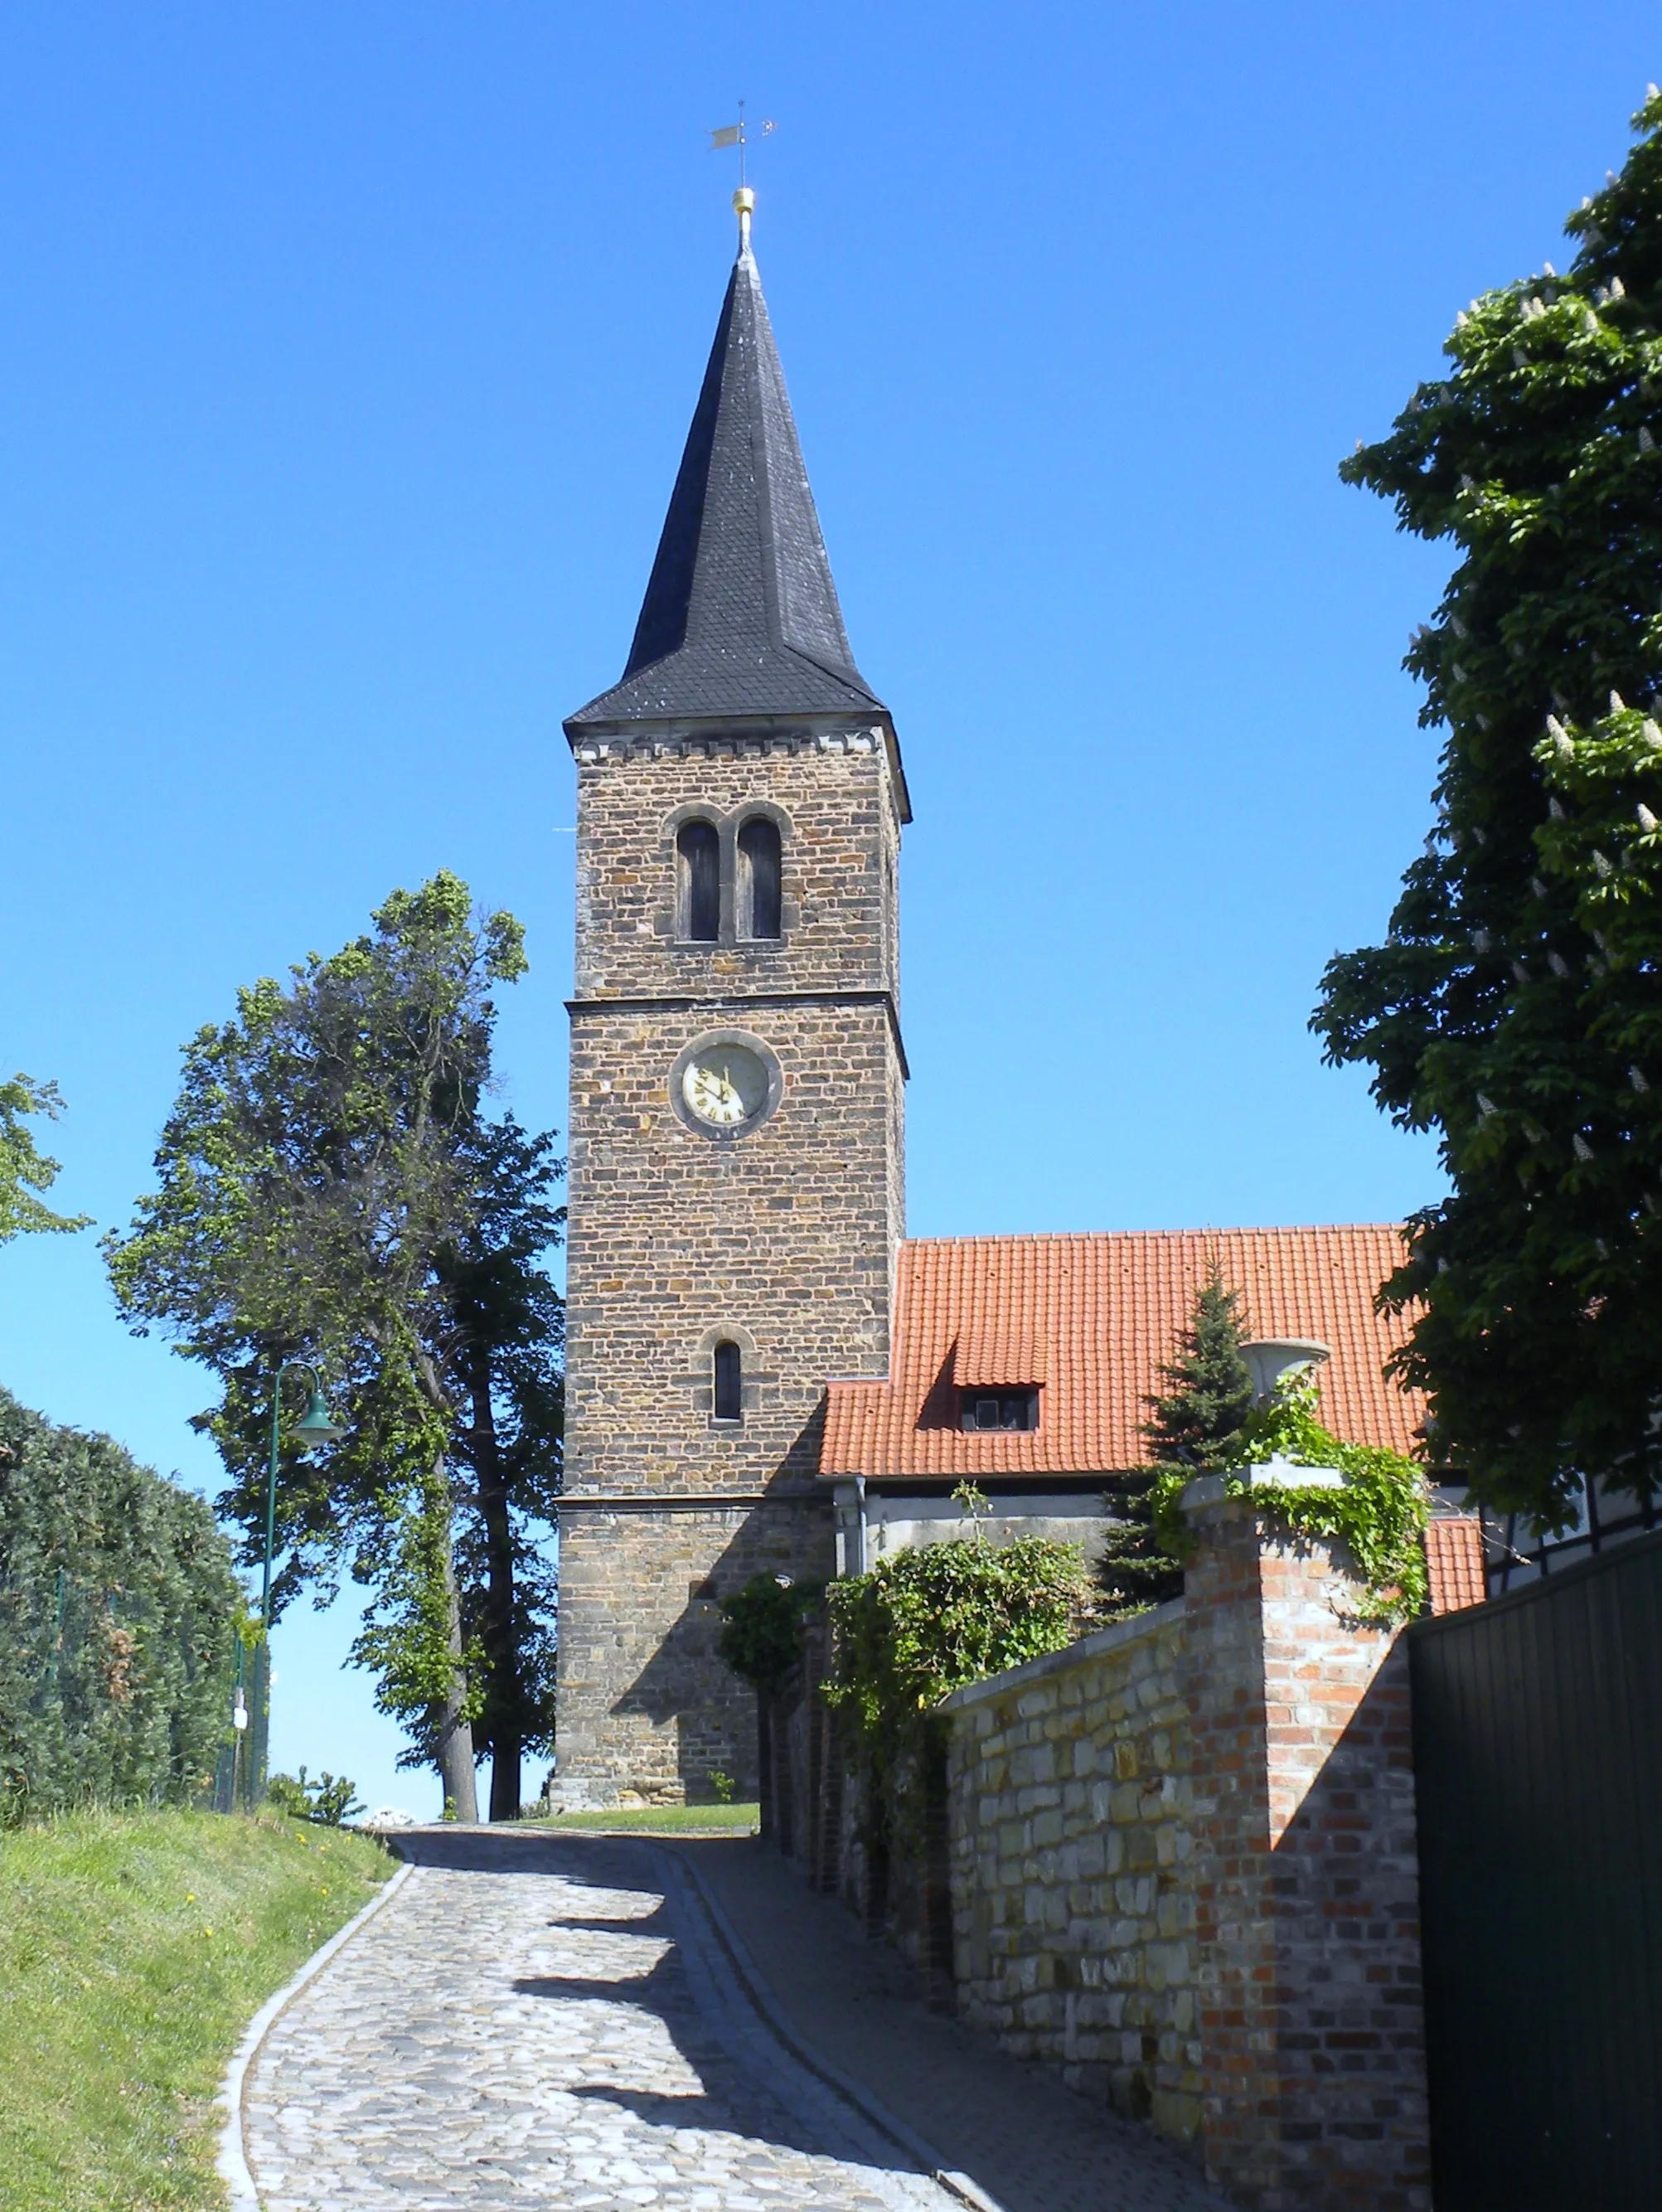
x: 313, y: 1427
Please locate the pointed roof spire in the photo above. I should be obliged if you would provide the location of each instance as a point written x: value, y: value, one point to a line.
x: 740, y: 616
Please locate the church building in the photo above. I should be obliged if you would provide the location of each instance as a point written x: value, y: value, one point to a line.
x: 762, y: 1374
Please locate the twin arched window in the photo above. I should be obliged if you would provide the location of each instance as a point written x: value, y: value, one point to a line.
x: 758, y: 907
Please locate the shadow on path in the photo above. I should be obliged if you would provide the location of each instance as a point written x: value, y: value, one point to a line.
x: 1032, y: 2144
x: 747, y: 2085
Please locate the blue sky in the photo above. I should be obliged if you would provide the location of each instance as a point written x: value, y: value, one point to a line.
x: 350, y: 351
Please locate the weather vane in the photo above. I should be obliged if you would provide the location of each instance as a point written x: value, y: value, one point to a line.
x: 733, y: 134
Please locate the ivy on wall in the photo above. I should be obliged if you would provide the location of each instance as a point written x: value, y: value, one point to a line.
x: 1379, y: 1513
x: 923, y: 1623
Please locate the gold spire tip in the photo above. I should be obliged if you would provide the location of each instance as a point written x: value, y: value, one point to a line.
x: 745, y: 205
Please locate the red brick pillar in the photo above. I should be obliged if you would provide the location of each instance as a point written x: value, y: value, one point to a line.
x: 1306, y: 1883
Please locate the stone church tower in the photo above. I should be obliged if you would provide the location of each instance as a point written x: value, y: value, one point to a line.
x: 736, y: 1104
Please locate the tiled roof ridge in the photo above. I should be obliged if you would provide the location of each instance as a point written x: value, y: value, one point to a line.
x: 1103, y: 1236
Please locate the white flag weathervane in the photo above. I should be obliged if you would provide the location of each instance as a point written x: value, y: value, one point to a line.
x: 734, y: 133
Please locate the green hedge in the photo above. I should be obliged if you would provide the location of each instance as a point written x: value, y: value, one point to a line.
x: 119, y: 1625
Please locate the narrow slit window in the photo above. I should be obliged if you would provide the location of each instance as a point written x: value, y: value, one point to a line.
x: 730, y: 1384
x: 760, y: 903
x: 699, y: 852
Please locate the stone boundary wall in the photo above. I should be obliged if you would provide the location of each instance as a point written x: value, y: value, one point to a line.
x: 1070, y: 1840
x: 1183, y: 1870
x: 1175, y: 1864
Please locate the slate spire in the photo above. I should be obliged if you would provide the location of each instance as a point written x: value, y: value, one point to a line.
x: 740, y: 616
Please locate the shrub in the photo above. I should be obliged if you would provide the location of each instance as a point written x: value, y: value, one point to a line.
x: 330, y: 1801
x: 924, y: 1623
x: 119, y: 1625
x: 761, y: 1629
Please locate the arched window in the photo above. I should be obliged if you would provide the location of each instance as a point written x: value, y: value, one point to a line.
x: 729, y: 1382
x: 759, y: 902
x: 698, y: 851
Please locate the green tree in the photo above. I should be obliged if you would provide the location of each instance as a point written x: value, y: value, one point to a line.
x: 1209, y: 1387
x: 1196, y: 1422
x: 329, y: 1188
x: 1516, y: 1004
x: 24, y: 1172
x: 503, y: 1355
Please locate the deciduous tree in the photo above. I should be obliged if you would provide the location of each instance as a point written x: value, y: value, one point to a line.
x: 24, y: 1172
x: 1515, y: 1006
x: 330, y: 1189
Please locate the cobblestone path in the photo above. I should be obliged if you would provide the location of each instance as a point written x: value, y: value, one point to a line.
x: 538, y: 2023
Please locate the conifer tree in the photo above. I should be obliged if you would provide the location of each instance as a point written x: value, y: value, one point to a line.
x: 1207, y: 1393
x: 1516, y: 1003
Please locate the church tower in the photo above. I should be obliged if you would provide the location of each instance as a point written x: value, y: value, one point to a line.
x: 736, y: 1191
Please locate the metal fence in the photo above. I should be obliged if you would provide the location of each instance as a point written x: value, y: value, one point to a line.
x: 1538, y: 1750
x: 109, y: 1696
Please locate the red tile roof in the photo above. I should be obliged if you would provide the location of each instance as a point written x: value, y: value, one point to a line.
x: 1091, y: 1320
x: 1454, y: 1563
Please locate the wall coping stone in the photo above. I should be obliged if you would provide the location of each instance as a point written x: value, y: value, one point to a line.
x: 1207, y: 1492
x: 1097, y: 1645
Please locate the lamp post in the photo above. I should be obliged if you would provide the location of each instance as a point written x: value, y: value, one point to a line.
x: 313, y: 1427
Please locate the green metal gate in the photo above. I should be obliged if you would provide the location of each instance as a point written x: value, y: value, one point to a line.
x: 1537, y: 1760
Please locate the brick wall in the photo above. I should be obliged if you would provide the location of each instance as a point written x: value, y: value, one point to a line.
x: 1306, y: 1881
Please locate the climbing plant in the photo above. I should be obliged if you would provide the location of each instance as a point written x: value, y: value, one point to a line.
x: 1379, y: 1511
x: 924, y: 1623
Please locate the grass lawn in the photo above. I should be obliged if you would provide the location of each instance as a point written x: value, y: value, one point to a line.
x: 660, y: 1821
x: 134, y: 1947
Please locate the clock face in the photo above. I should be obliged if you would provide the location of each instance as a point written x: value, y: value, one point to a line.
x: 724, y: 1084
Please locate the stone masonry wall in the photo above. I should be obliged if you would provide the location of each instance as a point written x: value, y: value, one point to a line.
x: 1072, y: 1906
x: 782, y: 1239
x: 840, y: 831
x: 674, y: 1713
x: 1184, y: 1871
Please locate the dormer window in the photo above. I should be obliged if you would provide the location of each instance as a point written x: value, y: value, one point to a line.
x: 1005, y: 1411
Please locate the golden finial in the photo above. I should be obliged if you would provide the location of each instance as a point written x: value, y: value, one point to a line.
x: 744, y: 200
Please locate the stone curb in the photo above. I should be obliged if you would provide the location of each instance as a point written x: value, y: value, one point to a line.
x: 960, y: 2185
x: 233, y: 2160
